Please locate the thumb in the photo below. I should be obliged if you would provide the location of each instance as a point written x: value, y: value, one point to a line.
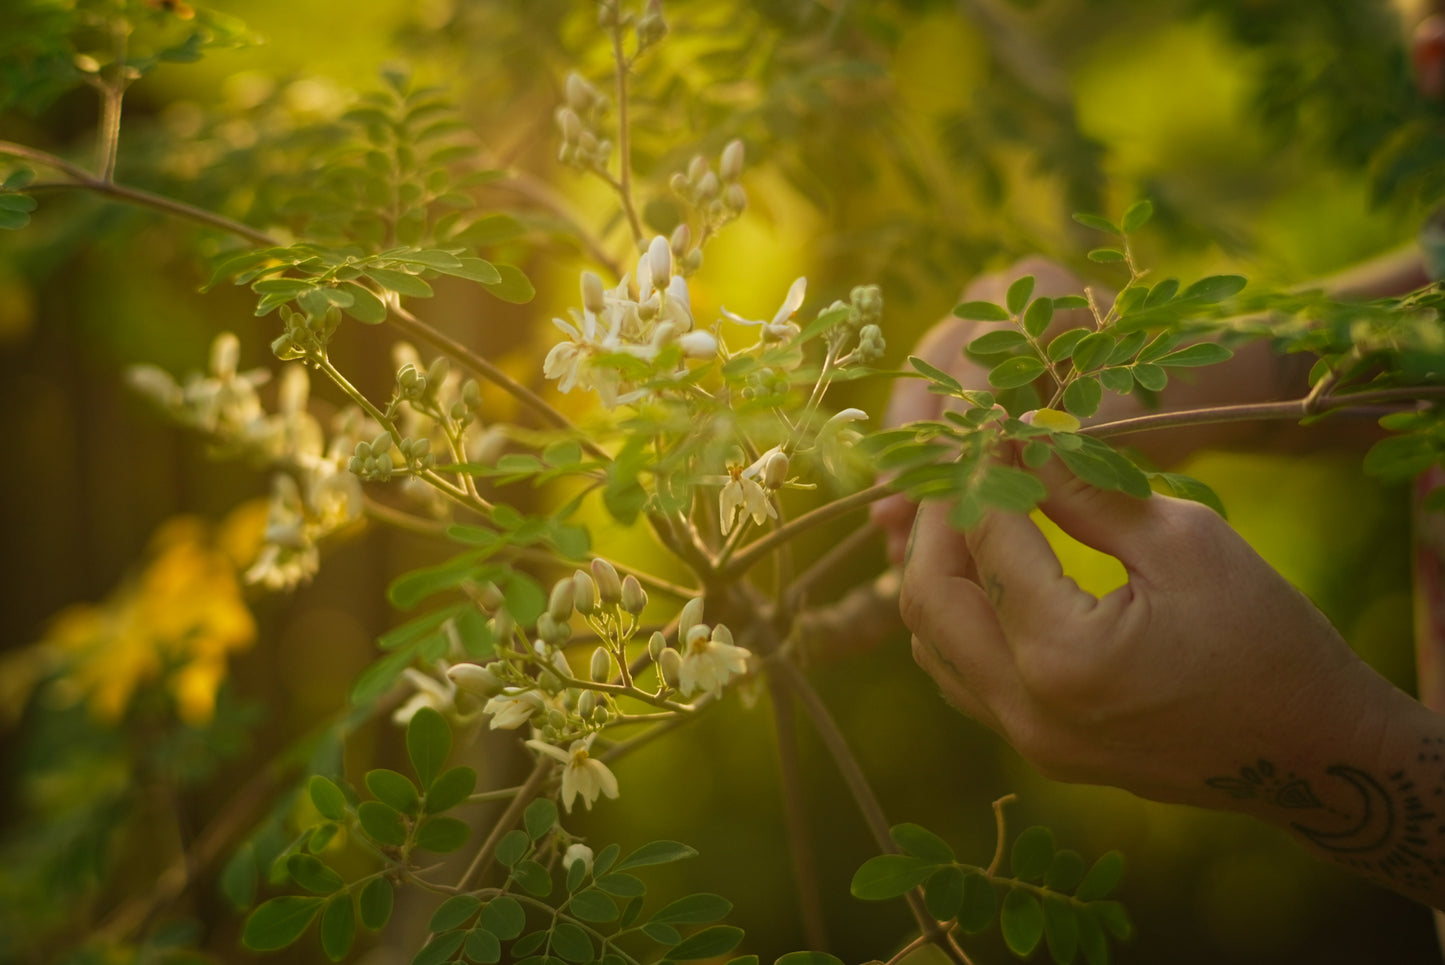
x: 1126, y: 527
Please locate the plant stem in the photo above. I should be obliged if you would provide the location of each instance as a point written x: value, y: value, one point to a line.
x: 398, y: 519
x: 795, y: 812
x: 1258, y: 411
x: 793, y: 596
x: 624, y: 135
x: 529, y: 790
x: 864, y: 797
x: 411, y: 325
x: 998, y: 821
x: 85, y: 181
x: 756, y: 550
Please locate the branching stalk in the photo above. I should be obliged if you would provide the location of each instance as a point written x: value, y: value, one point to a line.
x: 530, y: 788
x: 755, y: 551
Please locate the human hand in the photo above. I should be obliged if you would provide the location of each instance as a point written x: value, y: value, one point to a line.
x: 1206, y: 659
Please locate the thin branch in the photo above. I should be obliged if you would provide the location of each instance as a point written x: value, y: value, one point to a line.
x: 529, y: 790
x: 795, y: 812
x: 1259, y: 411
x: 415, y: 327
x: 999, y: 825
x: 864, y: 798
x: 398, y: 519
x: 86, y: 181
x: 624, y: 136
x: 536, y: 190
x: 760, y: 548
x: 820, y: 568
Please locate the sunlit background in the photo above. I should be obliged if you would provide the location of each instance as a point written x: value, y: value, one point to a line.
x: 911, y: 144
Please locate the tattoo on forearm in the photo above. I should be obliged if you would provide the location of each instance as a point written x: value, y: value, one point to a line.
x: 1391, y: 833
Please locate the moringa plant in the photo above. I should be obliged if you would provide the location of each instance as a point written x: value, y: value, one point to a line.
x: 715, y: 435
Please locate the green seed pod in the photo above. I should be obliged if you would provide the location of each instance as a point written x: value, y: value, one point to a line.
x: 551, y: 683
x: 601, y: 668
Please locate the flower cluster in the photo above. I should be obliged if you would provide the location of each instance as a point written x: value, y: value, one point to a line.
x: 617, y: 322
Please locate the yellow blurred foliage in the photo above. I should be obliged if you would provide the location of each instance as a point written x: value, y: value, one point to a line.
x: 173, y: 625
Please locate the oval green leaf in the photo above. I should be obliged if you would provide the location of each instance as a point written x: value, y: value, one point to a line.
x: 338, y: 927
x: 1032, y: 853
x: 1014, y: 372
x: 279, y: 922
x: 450, y: 789
x: 717, y: 940
x: 428, y: 742
x: 375, y: 903
x: 890, y: 875
x: 1022, y: 922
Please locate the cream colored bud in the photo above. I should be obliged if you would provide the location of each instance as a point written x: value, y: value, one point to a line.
x: 601, y: 668
x: 681, y: 240
x: 659, y: 260
x: 559, y: 604
x: 475, y: 679
x: 656, y: 644
x: 503, y: 626
x: 587, y: 704
x: 775, y: 470
x: 708, y: 186
x: 730, y: 166
x: 664, y: 334
x: 576, y: 853
x: 490, y: 595
x: 584, y: 593
x: 593, y: 293
x: 580, y: 94
x: 549, y: 629
x: 570, y: 124
x: 669, y: 665
x: 634, y: 597
x: 679, y: 184
x: 698, y: 344
x: 721, y: 634
x: 609, y: 584
x: 735, y: 198
x: 696, y: 168
x: 225, y: 354
x: 690, y: 616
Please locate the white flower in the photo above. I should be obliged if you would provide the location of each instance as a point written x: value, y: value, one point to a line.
x: 710, y: 661
x: 743, y: 491
x: 512, y: 708
x: 430, y: 692
x: 583, y: 774
x: 781, y: 327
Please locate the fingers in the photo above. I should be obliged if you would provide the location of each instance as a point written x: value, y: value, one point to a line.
x: 958, y: 639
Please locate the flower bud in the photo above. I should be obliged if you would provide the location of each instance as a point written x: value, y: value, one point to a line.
x: 584, y: 593
x: 690, y: 617
x: 559, y: 604
x: 730, y: 167
x: 491, y: 596
x: 437, y: 371
x: 708, y: 186
x: 656, y: 644
x: 696, y: 168
x: 548, y: 629
x: 570, y: 124
x: 669, y: 665
x: 551, y: 683
x: 721, y: 634
x: 735, y: 198
x: 576, y: 853
x: 593, y: 293
x: 225, y: 354
x: 659, y: 260
x: 693, y: 261
x: 698, y: 344
x: 601, y: 668
x: 580, y: 94
x: 609, y: 584
x: 475, y: 679
x: 503, y: 626
x: 587, y: 704
x: 634, y: 597
x: 681, y: 240
x: 775, y: 470
x: 678, y: 183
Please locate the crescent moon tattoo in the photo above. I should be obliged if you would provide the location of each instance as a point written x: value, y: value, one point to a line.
x: 1376, y: 822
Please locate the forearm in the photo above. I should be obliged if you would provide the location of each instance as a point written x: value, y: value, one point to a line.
x: 1370, y: 797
